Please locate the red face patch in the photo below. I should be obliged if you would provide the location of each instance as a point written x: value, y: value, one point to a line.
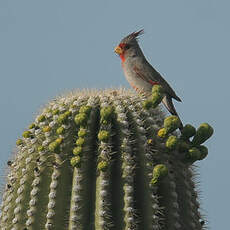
x: 122, y: 46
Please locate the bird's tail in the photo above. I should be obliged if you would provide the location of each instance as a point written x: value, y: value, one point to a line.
x: 167, y: 101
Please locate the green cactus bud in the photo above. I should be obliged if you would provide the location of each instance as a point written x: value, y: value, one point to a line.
x: 204, y: 132
x: 73, y: 106
x: 85, y: 109
x: 147, y: 104
x: 187, y: 132
x: 54, y: 147
x: 80, y: 141
x: 68, y: 113
x: 157, y: 96
x: 157, y: 89
x: 194, y: 154
x: 156, y: 99
x: 81, y: 119
x: 46, y: 129
x: 31, y: 126
x: 62, y: 118
x: 19, y: 142
x: 77, y: 150
x: 59, y: 140
x: 171, y: 123
x: 172, y: 142
x: 150, y: 141
x: 159, y: 172
x: 103, y: 135
x: 183, y: 146
x: 162, y: 133
x: 76, y: 161
x: 55, y: 112
x: 203, y: 151
x: 41, y: 148
x: 82, y: 132
x: 106, y: 112
x: 104, y: 122
x: 41, y: 118
x: 60, y: 130
x: 102, y: 166
x: 26, y: 134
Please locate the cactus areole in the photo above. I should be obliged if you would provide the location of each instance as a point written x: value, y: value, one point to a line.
x: 101, y: 160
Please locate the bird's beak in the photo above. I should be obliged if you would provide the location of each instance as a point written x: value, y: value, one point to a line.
x: 118, y: 50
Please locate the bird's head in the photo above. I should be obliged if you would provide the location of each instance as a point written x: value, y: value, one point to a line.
x: 129, y: 45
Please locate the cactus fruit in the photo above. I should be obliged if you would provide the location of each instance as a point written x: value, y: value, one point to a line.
x: 94, y: 160
x: 155, y: 99
x: 204, y: 132
x: 188, y: 131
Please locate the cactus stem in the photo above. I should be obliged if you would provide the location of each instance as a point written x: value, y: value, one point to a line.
x: 153, y: 157
x: 83, y: 186
x: 128, y: 165
x: 143, y: 192
x: 103, y: 209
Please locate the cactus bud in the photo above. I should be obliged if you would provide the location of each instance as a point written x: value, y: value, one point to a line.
x: 75, y: 161
x: 85, y: 109
x: 82, y: 132
x: 194, y: 154
x: 171, y: 123
x: 172, y: 142
x: 40, y: 148
x: 183, y: 146
x: 46, y: 129
x: 80, y: 141
x: 31, y: 126
x: 81, y: 119
x: 54, y: 147
x: 60, y: 130
x: 19, y: 142
x: 147, y: 104
x: 102, y: 166
x: 26, y: 134
x: 203, y: 151
x: 62, y: 118
x: 106, y: 112
x: 156, y: 99
x: 55, y: 112
x: 204, y: 132
x: 41, y: 118
x: 103, y: 135
x: 77, y: 150
x: 159, y: 172
x: 162, y: 133
x: 187, y: 132
x: 157, y: 89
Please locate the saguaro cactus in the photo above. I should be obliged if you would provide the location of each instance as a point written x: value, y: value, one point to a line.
x: 101, y: 160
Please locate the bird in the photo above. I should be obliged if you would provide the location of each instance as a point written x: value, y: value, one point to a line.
x: 140, y: 74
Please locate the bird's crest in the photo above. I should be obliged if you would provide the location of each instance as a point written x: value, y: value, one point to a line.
x: 132, y: 36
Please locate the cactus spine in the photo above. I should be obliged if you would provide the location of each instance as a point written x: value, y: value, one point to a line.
x: 101, y: 160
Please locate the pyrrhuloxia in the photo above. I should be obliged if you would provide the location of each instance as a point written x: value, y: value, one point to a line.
x: 140, y: 74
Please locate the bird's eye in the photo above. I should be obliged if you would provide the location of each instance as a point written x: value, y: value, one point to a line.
x: 127, y: 46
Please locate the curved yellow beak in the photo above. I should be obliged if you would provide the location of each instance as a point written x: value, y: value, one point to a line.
x: 118, y: 50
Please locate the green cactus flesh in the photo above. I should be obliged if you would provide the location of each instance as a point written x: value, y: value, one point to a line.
x: 94, y: 161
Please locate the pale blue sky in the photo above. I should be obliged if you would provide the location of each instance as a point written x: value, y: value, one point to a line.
x: 48, y: 47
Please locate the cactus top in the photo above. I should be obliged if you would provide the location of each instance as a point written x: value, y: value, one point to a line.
x: 103, y: 160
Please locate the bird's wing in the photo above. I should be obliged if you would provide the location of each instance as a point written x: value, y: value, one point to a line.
x: 150, y: 75
x: 143, y: 77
